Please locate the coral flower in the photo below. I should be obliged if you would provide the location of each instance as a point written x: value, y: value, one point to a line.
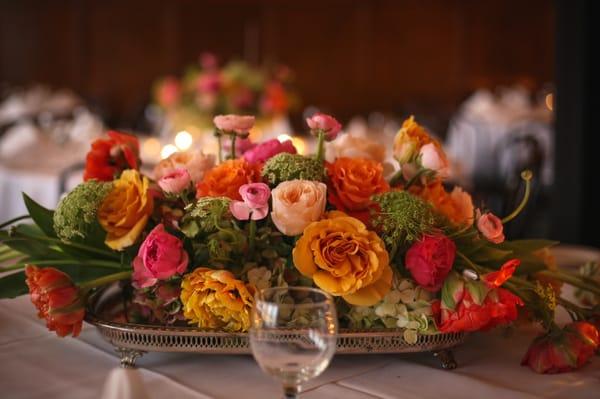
x: 490, y: 226
x: 563, y: 350
x: 457, y: 205
x: 344, y: 259
x: 57, y: 299
x: 216, y: 300
x: 352, y: 182
x: 110, y: 156
x: 226, y: 179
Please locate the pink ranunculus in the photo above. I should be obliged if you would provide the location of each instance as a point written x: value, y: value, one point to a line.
x: 269, y: 149
x: 255, y: 204
x: 430, y: 259
x: 490, y: 226
x: 208, y: 83
x: 433, y: 158
x: 176, y: 181
x: 168, y: 92
x: 160, y: 256
x: 239, y: 124
x: 326, y: 123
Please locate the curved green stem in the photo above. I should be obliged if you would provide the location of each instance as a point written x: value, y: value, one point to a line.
x: 321, y: 145
x: 105, y: 280
x: 572, y: 280
x: 14, y: 220
x: 526, y: 175
x: 233, y: 138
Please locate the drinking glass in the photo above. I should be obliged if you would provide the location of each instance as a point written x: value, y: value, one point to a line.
x: 293, y: 334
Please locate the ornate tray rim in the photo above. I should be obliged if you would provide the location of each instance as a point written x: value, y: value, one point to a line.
x: 132, y: 340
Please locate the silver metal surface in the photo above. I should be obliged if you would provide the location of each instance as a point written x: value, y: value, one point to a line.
x: 135, y: 339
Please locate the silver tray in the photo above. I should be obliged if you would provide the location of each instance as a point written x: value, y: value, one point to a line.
x: 133, y: 340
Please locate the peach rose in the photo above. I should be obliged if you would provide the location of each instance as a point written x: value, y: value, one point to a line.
x: 226, y: 179
x: 195, y: 162
x: 353, y: 146
x: 433, y: 158
x: 352, y: 182
x: 344, y: 259
x: 457, y: 205
x: 490, y: 226
x: 296, y: 204
x: 125, y: 211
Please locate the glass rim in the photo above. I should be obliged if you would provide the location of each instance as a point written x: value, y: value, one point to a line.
x: 328, y: 298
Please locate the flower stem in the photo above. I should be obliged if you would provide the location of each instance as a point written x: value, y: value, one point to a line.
x: 572, y: 280
x: 74, y: 262
x: 396, y: 178
x: 320, y: 145
x: 252, y: 237
x: 233, y: 138
x: 11, y: 221
x: 526, y: 175
x: 220, y: 148
x: 105, y: 280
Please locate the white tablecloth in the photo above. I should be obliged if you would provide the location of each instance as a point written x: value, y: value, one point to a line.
x: 36, y: 364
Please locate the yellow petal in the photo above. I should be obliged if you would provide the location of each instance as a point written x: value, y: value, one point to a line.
x: 120, y: 242
x: 303, y: 257
x: 371, y: 294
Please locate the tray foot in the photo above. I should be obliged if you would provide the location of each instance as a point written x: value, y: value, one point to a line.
x: 446, y: 358
x: 128, y: 356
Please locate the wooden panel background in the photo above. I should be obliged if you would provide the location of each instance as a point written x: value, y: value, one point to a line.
x: 350, y: 57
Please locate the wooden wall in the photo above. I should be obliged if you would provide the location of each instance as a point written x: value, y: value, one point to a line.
x: 350, y: 56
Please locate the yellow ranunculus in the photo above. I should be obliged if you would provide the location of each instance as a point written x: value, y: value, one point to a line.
x: 125, y: 210
x: 345, y: 259
x: 215, y: 300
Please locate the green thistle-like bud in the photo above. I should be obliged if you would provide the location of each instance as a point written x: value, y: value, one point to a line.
x: 402, y: 218
x: 283, y: 167
x: 205, y: 216
x: 75, y: 217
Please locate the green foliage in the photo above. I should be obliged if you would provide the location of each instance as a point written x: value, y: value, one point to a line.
x: 283, y: 167
x: 75, y: 218
x: 206, y: 216
x: 402, y: 218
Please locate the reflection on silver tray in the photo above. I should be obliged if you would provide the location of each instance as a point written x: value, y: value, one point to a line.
x: 132, y: 340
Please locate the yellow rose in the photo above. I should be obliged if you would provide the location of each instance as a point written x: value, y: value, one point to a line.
x: 124, y: 212
x: 409, y: 140
x: 215, y: 300
x: 344, y: 259
x: 296, y: 204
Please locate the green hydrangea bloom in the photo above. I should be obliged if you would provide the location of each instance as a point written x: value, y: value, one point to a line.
x: 402, y: 219
x: 76, y: 215
x: 205, y: 216
x: 284, y: 167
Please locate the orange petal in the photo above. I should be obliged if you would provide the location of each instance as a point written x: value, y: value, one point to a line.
x: 371, y: 294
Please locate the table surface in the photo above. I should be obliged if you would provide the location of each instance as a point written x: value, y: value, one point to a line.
x: 36, y: 364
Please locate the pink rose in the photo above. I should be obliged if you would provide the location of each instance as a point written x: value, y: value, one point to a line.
x: 269, y: 149
x: 430, y: 259
x: 175, y: 181
x: 255, y: 202
x: 239, y: 124
x: 326, y: 123
x: 491, y: 227
x: 433, y: 158
x: 160, y: 257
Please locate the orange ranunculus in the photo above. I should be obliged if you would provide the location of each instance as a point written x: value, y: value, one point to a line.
x: 226, y: 179
x: 344, y: 259
x: 352, y: 182
x: 457, y: 205
x: 216, y: 300
x: 125, y: 211
x: 109, y: 156
x: 57, y: 299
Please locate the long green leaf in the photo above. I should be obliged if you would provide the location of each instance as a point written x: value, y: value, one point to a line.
x: 42, y: 217
x: 13, y: 285
x: 526, y: 246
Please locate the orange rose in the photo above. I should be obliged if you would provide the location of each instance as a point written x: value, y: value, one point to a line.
x: 226, y: 179
x: 352, y: 182
x: 457, y: 205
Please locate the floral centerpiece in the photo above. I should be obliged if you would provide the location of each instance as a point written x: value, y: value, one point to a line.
x: 198, y: 238
x: 207, y: 89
